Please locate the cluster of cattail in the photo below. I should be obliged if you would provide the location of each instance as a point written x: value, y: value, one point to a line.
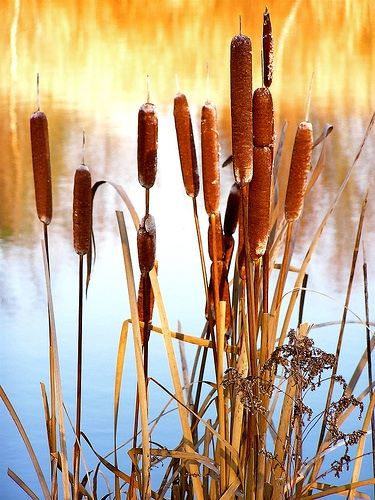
x: 146, y: 234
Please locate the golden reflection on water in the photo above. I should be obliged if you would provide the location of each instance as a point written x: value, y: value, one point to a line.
x: 93, y: 58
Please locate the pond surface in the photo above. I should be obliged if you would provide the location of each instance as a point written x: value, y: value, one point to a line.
x: 93, y: 58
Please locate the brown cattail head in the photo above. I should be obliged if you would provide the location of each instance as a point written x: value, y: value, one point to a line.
x: 241, y: 108
x: 299, y: 168
x: 224, y: 293
x: 260, y: 202
x: 146, y: 243
x: 186, y: 146
x: 41, y: 166
x: 82, y: 210
x: 267, y: 49
x: 228, y: 243
x: 232, y: 210
x: 147, y: 145
x: 145, y: 303
x: 215, y: 236
x: 263, y: 122
x: 210, y: 159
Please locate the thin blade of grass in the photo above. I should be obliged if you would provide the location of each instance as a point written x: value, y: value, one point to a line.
x: 57, y: 377
x: 22, y: 485
x: 341, y: 332
x: 319, y: 232
x: 321, y: 161
x: 361, y: 444
x: 146, y: 487
x: 339, y: 489
x: 26, y: 440
x: 193, y: 469
x: 118, y: 379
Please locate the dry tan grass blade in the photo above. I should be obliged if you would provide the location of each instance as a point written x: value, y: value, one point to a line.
x: 339, y: 489
x: 146, y: 487
x: 361, y: 445
x: 188, y: 445
x: 27, y: 442
x: 22, y: 485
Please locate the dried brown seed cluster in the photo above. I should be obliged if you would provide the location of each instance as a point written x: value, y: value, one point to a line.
x: 41, y: 165
x: 82, y: 210
x: 299, y: 168
x: 186, y: 145
x: 146, y: 243
x: 147, y: 145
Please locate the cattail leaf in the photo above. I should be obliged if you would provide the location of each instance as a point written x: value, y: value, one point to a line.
x: 210, y: 159
x: 241, y: 108
x: 186, y: 145
x: 147, y: 145
x: 41, y: 165
x: 299, y: 168
x: 82, y: 210
x: 26, y: 440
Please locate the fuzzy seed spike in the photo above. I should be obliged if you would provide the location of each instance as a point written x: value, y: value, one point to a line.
x: 147, y: 145
x: 41, y: 166
x: 82, y: 210
x: 260, y: 202
x: 299, y: 169
x: 186, y: 145
x: 218, y: 238
x: 263, y: 120
x: 146, y: 243
x: 267, y: 50
x: 232, y: 210
x: 241, y: 108
x: 210, y: 159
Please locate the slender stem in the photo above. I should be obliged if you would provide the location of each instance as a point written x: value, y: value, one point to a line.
x: 302, y: 300
x: 79, y: 382
x: 200, y: 245
x: 147, y: 201
x: 369, y: 362
x: 52, y: 428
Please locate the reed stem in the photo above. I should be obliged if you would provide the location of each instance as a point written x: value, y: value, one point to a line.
x: 77, y: 447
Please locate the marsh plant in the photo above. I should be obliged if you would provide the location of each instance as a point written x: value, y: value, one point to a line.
x: 244, y: 419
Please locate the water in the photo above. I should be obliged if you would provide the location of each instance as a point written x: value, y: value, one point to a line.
x: 92, y: 64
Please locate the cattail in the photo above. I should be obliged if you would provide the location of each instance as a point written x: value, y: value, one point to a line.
x: 241, y: 108
x: 260, y: 202
x: 82, y: 210
x: 186, y: 146
x: 210, y: 159
x: 146, y: 243
x: 218, y: 236
x: 232, y: 210
x: 41, y: 165
x: 147, y: 145
x: 299, y: 168
x: 228, y: 243
x: 267, y: 49
x: 145, y: 303
x: 224, y: 293
x: 263, y: 124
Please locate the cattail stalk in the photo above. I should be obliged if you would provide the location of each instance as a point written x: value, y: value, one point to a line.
x: 82, y: 223
x: 241, y: 108
x: 40, y: 153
